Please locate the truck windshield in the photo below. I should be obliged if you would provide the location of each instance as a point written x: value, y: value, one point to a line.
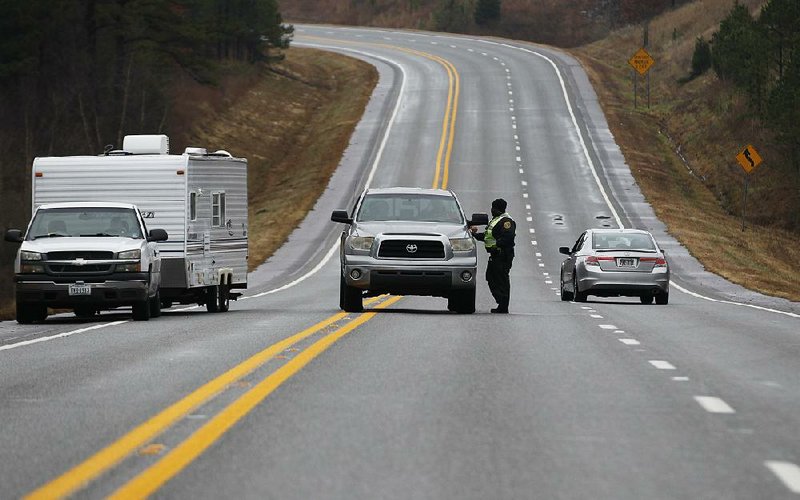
x: 84, y: 222
x: 410, y: 207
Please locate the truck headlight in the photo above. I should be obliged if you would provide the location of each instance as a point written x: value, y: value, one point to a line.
x: 130, y: 255
x: 361, y: 242
x: 26, y: 255
x: 462, y: 244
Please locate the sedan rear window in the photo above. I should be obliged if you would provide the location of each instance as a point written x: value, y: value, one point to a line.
x: 622, y: 241
x: 404, y: 207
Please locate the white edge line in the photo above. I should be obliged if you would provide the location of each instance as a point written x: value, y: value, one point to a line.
x: 60, y: 335
x: 374, y: 168
x: 603, y: 191
x: 316, y: 268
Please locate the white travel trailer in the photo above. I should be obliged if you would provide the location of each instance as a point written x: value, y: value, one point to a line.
x: 199, y: 198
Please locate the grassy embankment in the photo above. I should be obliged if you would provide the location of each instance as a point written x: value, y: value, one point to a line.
x: 291, y: 122
x: 709, y: 123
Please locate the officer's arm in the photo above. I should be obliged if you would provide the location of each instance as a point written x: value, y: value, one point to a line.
x: 505, y: 235
x: 478, y: 236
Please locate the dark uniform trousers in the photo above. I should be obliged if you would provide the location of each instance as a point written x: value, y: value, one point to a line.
x: 497, y: 276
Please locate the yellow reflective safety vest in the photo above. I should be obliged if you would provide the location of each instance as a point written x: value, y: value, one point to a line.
x: 488, y: 237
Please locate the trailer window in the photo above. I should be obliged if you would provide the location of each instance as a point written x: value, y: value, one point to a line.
x: 193, y: 206
x: 218, y: 209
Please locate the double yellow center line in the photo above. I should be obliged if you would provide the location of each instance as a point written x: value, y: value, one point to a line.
x: 157, y: 474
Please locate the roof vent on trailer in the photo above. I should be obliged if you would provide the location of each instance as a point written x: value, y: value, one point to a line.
x: 146, y: 144
x: 221, y: 152
x: 195, y: 151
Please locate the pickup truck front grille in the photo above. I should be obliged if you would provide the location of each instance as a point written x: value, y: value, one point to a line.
x: 80, y: 255
x: 84, y: 269
x: 411, y: 249
x: 58, y: 262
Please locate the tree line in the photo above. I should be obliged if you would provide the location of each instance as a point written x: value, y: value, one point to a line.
x: 761, y: 57
x: 108, y: 62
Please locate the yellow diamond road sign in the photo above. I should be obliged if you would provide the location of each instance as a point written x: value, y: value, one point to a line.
x: 641, y: 61
x: 749, y: 159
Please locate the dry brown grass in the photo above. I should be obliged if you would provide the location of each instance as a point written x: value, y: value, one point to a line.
x: 293, y: 124
x: 710, y: 123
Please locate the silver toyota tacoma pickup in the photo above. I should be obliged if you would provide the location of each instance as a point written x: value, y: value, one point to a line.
x: 408, y: 241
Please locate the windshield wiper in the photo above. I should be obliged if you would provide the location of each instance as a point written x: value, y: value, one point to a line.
x: 50, y: 235
x: 100, y: 234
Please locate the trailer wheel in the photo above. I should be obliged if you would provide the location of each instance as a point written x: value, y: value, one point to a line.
x: 224, y: 297
x: 212, y: 299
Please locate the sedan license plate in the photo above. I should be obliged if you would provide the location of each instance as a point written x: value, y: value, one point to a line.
x: 626, y: 262
x: 80, y: 290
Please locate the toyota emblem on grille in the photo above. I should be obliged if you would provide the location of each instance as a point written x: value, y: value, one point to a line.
x: 412, y: 248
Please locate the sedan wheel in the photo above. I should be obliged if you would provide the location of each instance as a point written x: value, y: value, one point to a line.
x: 565, y: 295
x: 578, y: 295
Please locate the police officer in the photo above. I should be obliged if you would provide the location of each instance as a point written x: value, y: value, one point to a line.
x: 499, y: 241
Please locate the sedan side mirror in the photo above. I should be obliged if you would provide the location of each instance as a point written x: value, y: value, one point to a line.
x: 341, y: 216
x: 14, y: 236
x: 478, y: 220
x: 157, y: 235
x: 564, y: 250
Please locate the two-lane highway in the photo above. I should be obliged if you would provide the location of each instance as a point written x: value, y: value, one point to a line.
x: 286, y: 397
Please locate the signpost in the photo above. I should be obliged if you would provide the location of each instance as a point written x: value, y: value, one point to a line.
x: 749, y: 160
x: 641, y: 62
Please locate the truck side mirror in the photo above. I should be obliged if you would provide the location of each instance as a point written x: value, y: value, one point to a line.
x: 564, y: 250
x: 341, y: 216
x: 157, y: 235
x: 478, y: 220
x: 14, y: 236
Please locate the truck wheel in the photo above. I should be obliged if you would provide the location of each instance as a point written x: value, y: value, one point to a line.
x: 350, y: 297
x: 462, y: 301
x: 29, y: 313
x: 212, y: 299
x: 155, y: 305
x: 141, y: 310
x: 646, y: 298
x: 224, y: 298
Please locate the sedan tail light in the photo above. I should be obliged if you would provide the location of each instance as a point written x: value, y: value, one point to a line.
x: 592, y: 260
x: 657, y: 261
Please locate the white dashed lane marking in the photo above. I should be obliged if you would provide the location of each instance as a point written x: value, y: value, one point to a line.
x: 787, y: 472
x: 680, y: 379
x: 596, y: 316
x: 607, y: 327
x: 630, y: 341
x: 714, y: 405
x: 662, y: 365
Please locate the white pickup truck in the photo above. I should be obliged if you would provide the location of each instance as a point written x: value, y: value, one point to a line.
x: 87, y: 256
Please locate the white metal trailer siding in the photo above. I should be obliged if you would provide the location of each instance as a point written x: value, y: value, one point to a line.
x: 209, y: 248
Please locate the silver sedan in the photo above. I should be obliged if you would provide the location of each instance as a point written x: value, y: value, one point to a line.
x: 615, y: 262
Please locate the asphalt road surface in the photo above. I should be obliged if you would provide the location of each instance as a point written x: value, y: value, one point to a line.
x: 286, y: 397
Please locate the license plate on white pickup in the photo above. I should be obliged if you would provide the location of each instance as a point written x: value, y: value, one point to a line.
x: 80, y: 290
x: 624, y: 262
